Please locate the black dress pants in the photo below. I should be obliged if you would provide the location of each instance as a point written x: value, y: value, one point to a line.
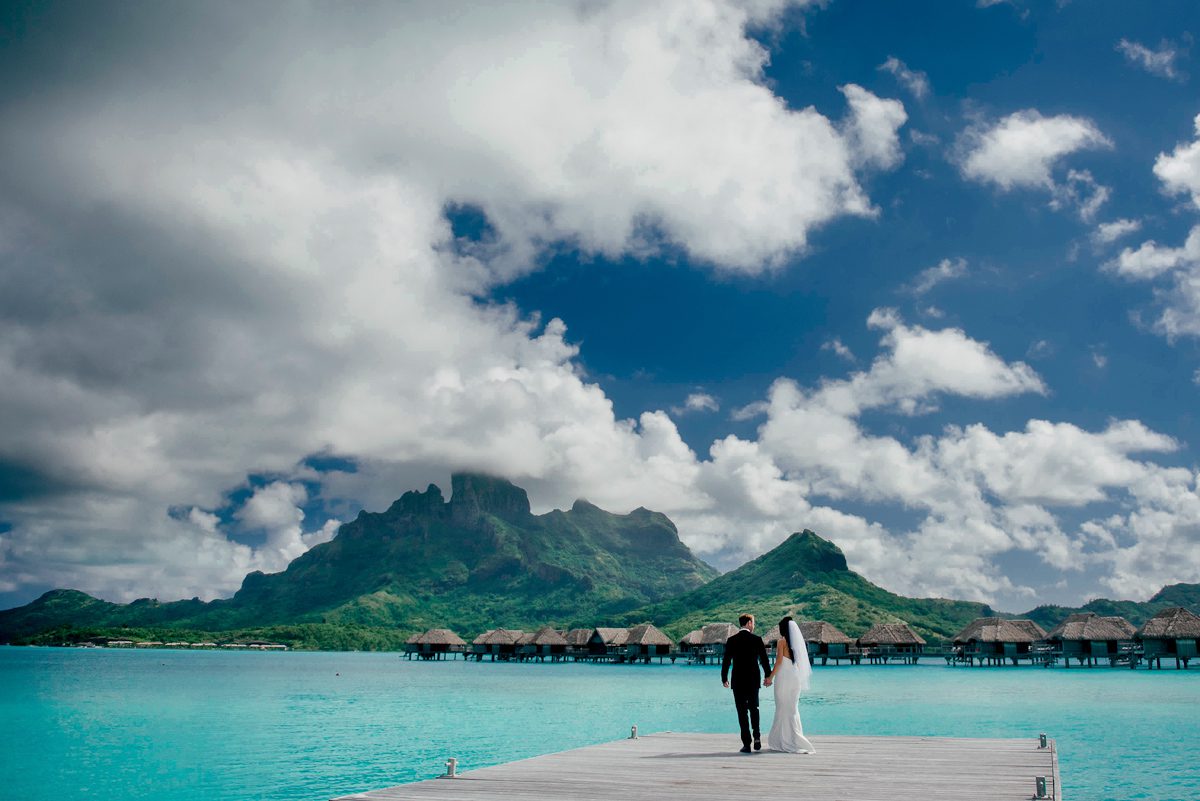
x: 746, y: 700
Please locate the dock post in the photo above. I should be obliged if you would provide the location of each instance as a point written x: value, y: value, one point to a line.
x: 633, y: 735
x: 451, y: 769
x: 1040, y: 787
x: 1042, y: 740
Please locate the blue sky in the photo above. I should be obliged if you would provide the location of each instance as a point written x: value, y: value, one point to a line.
x: 919, y: 279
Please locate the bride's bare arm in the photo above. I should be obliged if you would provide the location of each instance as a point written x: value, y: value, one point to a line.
x: 780, y: 645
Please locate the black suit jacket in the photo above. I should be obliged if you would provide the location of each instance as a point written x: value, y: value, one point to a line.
x: 745, y: 652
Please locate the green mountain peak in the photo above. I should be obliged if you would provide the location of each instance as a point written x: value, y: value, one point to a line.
x: 479, y: 560
x: 807, y: 576
x: 482, y: 559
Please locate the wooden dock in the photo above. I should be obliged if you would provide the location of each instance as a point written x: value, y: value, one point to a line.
x: 707, y: 767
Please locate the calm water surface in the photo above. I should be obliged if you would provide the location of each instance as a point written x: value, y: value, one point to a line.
x: 186, y: 726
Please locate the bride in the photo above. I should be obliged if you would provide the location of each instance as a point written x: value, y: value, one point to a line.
x: 790, y: 677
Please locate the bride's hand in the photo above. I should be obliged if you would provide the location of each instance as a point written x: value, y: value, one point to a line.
x: 767, y: 682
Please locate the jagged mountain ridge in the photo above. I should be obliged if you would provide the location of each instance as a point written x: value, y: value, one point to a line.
x: 483, y: 560
x: 481, y: 557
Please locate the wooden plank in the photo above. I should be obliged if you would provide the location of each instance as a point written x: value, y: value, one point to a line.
x: 703, y: 767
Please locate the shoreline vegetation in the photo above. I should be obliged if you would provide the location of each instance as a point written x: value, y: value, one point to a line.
x: 483, y: 559
x: 1090, y: 639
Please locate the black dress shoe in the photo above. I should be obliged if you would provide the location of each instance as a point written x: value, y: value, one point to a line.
x: 745, y: 749
x: 757, y: 744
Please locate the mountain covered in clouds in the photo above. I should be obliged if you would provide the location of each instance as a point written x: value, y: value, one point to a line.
x: 481, y: 559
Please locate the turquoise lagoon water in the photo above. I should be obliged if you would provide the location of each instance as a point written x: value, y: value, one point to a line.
x: 185, y: 726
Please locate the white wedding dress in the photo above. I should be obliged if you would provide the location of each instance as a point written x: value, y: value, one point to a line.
x: 787, y: 732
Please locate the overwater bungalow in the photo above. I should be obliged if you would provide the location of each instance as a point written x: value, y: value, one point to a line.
x: 120, y: 643
x: 646, y: 641
x: 1089, y: 638
x: 1171, y: 633
x: 710, y: 642
x: 691, y: 642
x: 496, y: 643
x: 891, y: 641
x: 607, y: 643
x: 826, y: 641
x: 577, y: 642
x: 435, y: 644
x: 545, y: 643
x: 996, y: 641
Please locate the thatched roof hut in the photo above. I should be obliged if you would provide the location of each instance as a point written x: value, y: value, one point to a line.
x: 548, y: 635
x: 647, y: 640
x: 893, y: 634
x: 999, y: 630
x: 441, y: 637
x: 647, y: 634
x: 997, y: 641
x: 1175, y: 623
x: 885, y: 641
x: 717, y: 633
x: 611, y: 636
x: 1090, y: 626
x: 607, y: 641
x: 434, y: 641
x: 707, y: 641
x: 823, y: 633
x: 546, y: 641
x: 578, y: 638
x: 1087, y: 636
x: 497, y: 641
x: 823, y: 639
x: 1172, y: 632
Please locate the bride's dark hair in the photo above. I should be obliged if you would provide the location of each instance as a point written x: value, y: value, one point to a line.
x: 786, y: 635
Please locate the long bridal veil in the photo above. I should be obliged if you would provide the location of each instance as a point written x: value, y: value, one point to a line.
x: 787, y: 732
x: 800, y: 661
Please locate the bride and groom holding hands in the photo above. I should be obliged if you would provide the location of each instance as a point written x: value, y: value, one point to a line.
x: 791, y: 675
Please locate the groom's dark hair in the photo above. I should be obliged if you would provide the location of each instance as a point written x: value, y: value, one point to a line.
x: 744, y: 619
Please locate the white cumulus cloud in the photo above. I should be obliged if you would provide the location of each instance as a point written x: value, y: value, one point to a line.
x: 1022, y: 149
x: 871, y: 128
x: 221, y: 259
x: 1180, y: 170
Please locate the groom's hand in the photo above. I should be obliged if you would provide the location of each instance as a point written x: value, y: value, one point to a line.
x: 726, y: 684
x: 767, y: 681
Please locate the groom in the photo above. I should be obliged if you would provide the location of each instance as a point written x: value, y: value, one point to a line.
x: 745, y: 651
